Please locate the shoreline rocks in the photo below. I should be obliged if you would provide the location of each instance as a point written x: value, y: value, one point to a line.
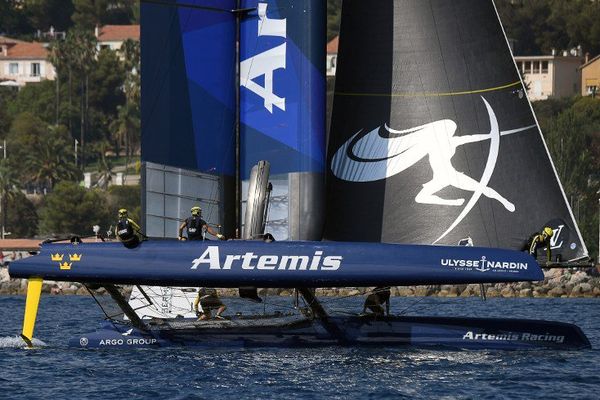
x: 565, y: 283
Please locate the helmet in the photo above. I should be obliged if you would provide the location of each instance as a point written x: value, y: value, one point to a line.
x: 196, y: 211
x: 548, y: 231
x: 122, y: 212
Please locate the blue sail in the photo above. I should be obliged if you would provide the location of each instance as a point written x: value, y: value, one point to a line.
x: 278, y: 264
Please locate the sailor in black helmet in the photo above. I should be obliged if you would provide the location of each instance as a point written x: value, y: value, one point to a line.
x: 539, y: 241
x: 128, y: 232
x: 195, y: 226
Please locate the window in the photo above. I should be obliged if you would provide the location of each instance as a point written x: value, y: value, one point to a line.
x: 105, y: 47
x: 536, y: 67
x: 591, y: 90
x: 544, y: 67
x: 527, y: 67
x: 13, y: 69
x: 520, y: 66
x: 35, y: 69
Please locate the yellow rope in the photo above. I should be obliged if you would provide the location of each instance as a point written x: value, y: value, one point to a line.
x: 425, y: 94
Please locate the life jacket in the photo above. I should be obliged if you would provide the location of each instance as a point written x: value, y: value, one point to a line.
x: 125, y: 230
x: 194, y: 228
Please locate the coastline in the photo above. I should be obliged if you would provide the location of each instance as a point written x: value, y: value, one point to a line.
x: 557, y: 283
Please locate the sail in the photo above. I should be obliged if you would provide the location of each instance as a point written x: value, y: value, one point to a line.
x: 433, y: 138
x: 282, y: 110
x: 188, y: 109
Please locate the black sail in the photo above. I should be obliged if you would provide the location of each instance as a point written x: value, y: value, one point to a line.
x: 433, y: 138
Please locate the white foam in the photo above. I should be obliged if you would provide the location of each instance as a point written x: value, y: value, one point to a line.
x: 16, y: 342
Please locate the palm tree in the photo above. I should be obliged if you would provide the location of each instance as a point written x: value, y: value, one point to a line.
x: 9, y: 185
x: 104, y: 168
x: 76, y: 56
x: 51, y: 160
x: 126, y: 129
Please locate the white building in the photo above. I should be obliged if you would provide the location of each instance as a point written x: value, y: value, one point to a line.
x: 23, y: 62
x: 332, y: 50
x: 112, y: 36
x: 551, y: 76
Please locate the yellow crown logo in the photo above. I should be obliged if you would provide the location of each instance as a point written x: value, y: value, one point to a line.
x: 75, y: 257
x: 65, y: 265
x: 56, y: 257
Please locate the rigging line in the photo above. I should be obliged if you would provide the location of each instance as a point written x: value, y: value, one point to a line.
x: 412, y: 305
x: 431, y: 94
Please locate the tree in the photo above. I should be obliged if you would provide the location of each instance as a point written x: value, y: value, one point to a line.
x: 9, y: 185
x: 126, y: 127
x: 24, y: 131
x: 42, y: 14
x: 13, y: 20
x: 569, y: 136
x: 72, y: 209
x: 128, y: 197
x: 87, y: 14
x: 334, y: 14
x: 22, y: 219
x: 38, y: 100
x: 51, y: 160
x: 75, y: 59
x: 6, y: 96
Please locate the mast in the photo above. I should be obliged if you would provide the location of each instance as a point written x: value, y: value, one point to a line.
x: 238, y: 182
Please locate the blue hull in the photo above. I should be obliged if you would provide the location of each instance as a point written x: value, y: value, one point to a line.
x: 279, y: 264
x: 297, y: 331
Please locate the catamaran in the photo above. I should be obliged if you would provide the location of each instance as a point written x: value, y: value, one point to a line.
x: 432, y: 142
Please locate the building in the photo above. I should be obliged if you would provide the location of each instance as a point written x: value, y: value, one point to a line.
x: 23, y: 62
x: 590, y: 77
x: 112, y: 36
x: 332, y: 50
x: 551, y: 76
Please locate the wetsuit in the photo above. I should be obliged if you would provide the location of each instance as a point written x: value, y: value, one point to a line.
x: 538, y: 241
x: 126, y: 232
x: 194, y: 226
x: 375, y: 300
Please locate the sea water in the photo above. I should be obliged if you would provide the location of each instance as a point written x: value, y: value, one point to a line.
x: 54, y: 371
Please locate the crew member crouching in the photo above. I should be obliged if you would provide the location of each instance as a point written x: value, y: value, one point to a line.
x: 539, y: 241
x: 128, y: 232
x: 376, y: 299
x: 208, y: 300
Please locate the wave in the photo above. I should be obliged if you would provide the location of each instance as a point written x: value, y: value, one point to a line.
x: 15, y: 342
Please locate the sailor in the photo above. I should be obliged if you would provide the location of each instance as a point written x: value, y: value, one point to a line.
x: 208, y: 300
x: 195, y: 227
x: 539, y: 241
x: 376, y: 299
x: 128, y: 232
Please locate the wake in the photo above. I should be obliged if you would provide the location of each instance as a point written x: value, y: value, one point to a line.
x: 15, y: 342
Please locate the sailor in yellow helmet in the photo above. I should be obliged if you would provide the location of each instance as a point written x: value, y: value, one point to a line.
x: 128, y: 232
x: 195, y: 226
x: 539, y: 241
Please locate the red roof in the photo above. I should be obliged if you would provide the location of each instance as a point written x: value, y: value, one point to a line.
x: 7, y: 40
x: 27, y: 51
x: 332, y: 46
x: 117, y: 33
